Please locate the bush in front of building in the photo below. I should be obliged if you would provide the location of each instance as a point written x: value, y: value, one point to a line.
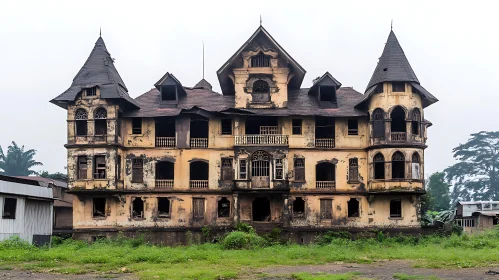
x: 243, y: 240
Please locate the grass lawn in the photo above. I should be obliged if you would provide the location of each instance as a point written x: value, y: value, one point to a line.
x: 212, y: 261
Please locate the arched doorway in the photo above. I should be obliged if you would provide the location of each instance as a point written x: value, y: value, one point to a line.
x: 260, y: 210
x: 260, y: 169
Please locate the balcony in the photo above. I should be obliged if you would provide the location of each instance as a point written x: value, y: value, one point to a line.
x: 398, y: 137
x: 199, y: 142
x: 262, y: 140
x: 324, y: 143
x: 198, y: 184
x: 164, y: 184
x: 323, y: 185
x: 165, y: 142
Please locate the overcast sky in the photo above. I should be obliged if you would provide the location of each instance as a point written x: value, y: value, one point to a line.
x: 452, y: 46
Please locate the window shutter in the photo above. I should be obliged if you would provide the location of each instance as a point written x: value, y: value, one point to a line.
x: 326, y: 209
x: 198, y: 207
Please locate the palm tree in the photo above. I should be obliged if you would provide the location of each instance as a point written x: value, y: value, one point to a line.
x: 18, y: 162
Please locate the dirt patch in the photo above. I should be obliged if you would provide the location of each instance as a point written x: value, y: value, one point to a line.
x: 22, y: 275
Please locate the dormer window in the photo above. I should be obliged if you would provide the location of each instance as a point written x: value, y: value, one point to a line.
x: 328, y: 93
x: 168, y: 93
x: 91, y: 91
x: 260, y: 60
x: 398, y: 87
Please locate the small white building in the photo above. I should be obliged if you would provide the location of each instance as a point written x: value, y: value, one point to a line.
x: 477, y: 215
x: 27, y: 210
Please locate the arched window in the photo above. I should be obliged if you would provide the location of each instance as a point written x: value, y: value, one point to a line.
x: 416, y: 166
x: 416, y: 122
x: 398, y: 120
x: 378, y: 118
x: 138, y: 208
x: 325, y: 175
x: 260, y: 169
x: 261, y: 86
x: 398, y: 165
x: 379, y: 166
x: 81, y: 117
x: 260, y: 60
x: 100, y: 116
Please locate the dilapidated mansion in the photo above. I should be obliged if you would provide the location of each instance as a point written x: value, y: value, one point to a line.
x: 266, y: 151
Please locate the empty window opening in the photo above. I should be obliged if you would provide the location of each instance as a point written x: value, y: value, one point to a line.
x: 379, y: 166
x: 91, y: 91
x: 398, y: 120
x: 137, y: 170
x: 416, y: 122
x: 99, y: 207
x: 324, y: 171
x: 261, y: 210
x: 297, y: 125
x: 324, y: 128
x: 81, y: 117
x: 353, y: 127
x: 398, y: 166
x: 260, y: 91
x: 82, y: 167
x: 415, y: 166
x: 353, y: 170
x: 395, y: 208
x: 165, y: 170
x: 199, y: 127
x: 260, y: 60
x: 226, y: 173
x: 138, y: 208
x: 100, y: 116
x: 226, y: 126
x: 326, y: 211
x: 100, y: 167
x: 398, y: 87
x: 262, y: 125
x: 198, y: 170
x: 165, y: 127
x: 379, y: 89
x: 168, y: 93
x: 9, y: 208
x: 260, y: 164
x: 299, y: 208
x: 163, y: 207
x: 378, y: 118
x: 137, y: 126
x: 414, y: 90
x: 353, y: 208
x: 299, y: 166
x: 243, y: 169
x: 223, y: 208
x: 198, y: 208
x: 327, y: 93
x: 118, y: 168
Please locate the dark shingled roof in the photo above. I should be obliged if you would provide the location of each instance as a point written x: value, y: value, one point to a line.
x: 98, y: 70
x: 203, y: 84
x: 393, y: 66
x: 300, y: 103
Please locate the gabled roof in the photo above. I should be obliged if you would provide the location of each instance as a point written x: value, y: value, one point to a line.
x: 167, y: 79
x: 203, y: 84
x: 98, y: 70
x: 325, y: 80
x: 299, y: 72
x: 393, y: 65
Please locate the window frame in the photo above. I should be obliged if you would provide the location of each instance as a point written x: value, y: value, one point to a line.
x: 195, y: 213
x: 135, y: 126
x: 330, y: 207
x: 12, y: 212
x: 279, y: 165
x: 222, y: 126
x: 353, y: 170
x: 353, y: 131
x: 218, y: 208
x: 395, y: 215
x: 80, y: 169
x: 245, y: 165
x: 298, y: 127
x: 137, y: 164
x: 397, y: 86
x: 96, y: 168
x: 105, y: 208
x: 302, y: 168
x: 169, y: 207
x: 225, y: 167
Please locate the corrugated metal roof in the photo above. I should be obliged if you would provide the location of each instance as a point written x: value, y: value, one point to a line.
x: 24, y: 187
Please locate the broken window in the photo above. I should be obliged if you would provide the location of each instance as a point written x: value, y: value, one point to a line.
x: 165, y: 170
x: 279, y: 169
x: 165, y: 127
x: 100, y: 167
x: 262, y: 125
x: 378, y: 123
x: 296, y: 124
x: 243, y: 169
x: 299, y: 208
x: 99, y: 207
x: 138, y: 208
x: 353, y: 127
x: 260, y: 209
x: 398, y: 87
x: 415, y: 166
x: 137, y: 170
x: 353, y: 208
x: 379, y: 88
x: 226, y: 171
x: 100, y: 117
x: 260, y: 91
x: 91, y: 91
x: 379, y: 166
x: 327, y: 93
x: 198, y: 208
x: 81, y: 117
x: 163, y: 207
x: 260, y: 60
x: 416, y: 122
x: 168, y: 93
x: 226, y: 126
x: 118, y: 168
x: 353, y: 170
x: 398, y: 165
x: 199, y: 170
x: 137, y: 126
x: 199, y: 132
x: 325, y: 171
x: 395, y: 208
x: 326, y: 211
x: 299, y: 166
x: 324, y: 129
x: 223, y: 208
x: 9, y: 208
x: 82, y: 167
x: 398, y: 120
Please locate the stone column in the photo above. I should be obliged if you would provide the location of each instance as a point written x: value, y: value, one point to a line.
x: 236, y: 208
x: 285, y: 213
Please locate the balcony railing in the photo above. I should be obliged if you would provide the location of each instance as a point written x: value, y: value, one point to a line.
x: 164, y: 184
x: 399, y: 137
x: 325, y: 184
x: 264, y: 140
x: 324, y: 143
x: 199, y: 142
x: 198, y: 184
x: 165, y: 142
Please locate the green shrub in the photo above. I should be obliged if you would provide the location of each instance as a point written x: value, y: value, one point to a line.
x: 244, y: 227
x: 330, y: 236
x: 206, y: 232
x: 15, y: 242
x: 243, y: 240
